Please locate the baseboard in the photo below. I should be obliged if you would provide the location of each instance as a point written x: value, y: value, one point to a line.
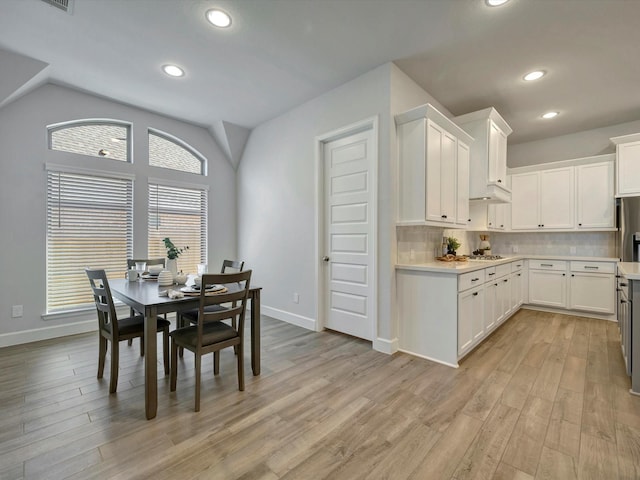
x: 385, y: 346
x: 293, y: 318
x: 454, y: 365
x: 575, y: 313
x: 46, y: 333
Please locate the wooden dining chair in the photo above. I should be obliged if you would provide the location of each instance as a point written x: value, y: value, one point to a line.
x: 131, y: 262
x: 210, y: 334
x: 115, y: 330
x: 191, y: 316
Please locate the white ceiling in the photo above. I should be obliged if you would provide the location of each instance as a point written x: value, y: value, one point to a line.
x: 281, y: 53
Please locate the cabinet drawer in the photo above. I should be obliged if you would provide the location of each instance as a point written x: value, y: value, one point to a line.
x: 517, y: 266
x: 593, y: 267
x: 547, y: 265
x: 502, y: 270
x: 490, y: 274
x: 470, y: 280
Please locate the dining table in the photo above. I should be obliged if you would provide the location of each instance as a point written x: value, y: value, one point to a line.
x: 144, y: 296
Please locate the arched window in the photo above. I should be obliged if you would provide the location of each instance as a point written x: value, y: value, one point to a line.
x: 167, y: 151
x: 96, y: 138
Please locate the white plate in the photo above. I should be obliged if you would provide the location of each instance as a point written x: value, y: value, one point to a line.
x: 193, y: 289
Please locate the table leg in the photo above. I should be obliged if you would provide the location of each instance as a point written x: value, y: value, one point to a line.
x: 150, y: 362
x: 255, y: 332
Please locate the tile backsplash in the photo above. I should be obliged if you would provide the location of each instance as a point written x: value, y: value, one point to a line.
x: 422, y: 244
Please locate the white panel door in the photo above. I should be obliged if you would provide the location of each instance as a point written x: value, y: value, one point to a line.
x: 595, y: 195
x: 349, y: 232
x: 557, y: 198
x: 462, y: 181
x: 524, y: 201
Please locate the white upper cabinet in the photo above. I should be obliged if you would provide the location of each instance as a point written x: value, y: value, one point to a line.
x: 569, y: 195
x: 627, y: 165
x: 488, y: 162
x: 595, y: 196
x: 433, y: 169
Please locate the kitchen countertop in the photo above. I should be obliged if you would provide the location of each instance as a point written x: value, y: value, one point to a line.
x: 631, y: 270
x: 456, y: 268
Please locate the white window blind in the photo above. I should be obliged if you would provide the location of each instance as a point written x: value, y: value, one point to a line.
x: 180, y: 214
x: 89, y: 224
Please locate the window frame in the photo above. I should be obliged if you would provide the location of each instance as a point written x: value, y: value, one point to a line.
x: 180, y: 143
x: 54, y: 127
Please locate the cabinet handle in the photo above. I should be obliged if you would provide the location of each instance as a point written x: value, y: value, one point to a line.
x: 490, y: 223
x: 618, y: 276
x: 499, y: 181
x: 444, y: 216
x: 572, y: 275
x: 491, y: 274
x: 505, y: 280
x: 519, y: 274
x: 475, y: 294
x: 624, y: 284
x: 564, y: 274
x: 495, y: 284
x: 591, y: 268
x: 546, y: 264
x: 579, y: 224
x: 623, y: 301
x: 475, y: 279
x: 542, y: 225
x: 518, y: 266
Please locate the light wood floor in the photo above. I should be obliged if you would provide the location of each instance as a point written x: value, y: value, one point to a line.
x: 545, y: 397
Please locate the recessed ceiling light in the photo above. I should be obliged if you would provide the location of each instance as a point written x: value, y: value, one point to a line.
x: 218, y: 18
x: 535, y: 75
x: 173, y: 70
x: 495, y: 3
x: 550, y: 115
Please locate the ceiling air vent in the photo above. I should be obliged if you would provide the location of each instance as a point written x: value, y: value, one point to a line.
x: 64, y: 5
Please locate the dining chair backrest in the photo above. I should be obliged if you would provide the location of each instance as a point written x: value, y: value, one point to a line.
x: 103, y: 299
x: 131, y: 262
x: 237, y: 285
x: 236, y: 264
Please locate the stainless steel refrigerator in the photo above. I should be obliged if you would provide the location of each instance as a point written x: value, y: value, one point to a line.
x: 628, y: 236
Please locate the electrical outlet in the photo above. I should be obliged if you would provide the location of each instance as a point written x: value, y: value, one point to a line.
x: 16, y: 311
x: 572, y: 249
x: 296, y: 297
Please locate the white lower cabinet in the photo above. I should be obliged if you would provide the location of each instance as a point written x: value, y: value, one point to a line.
x: 470, y: 319
x: 490, y: 306
x: 577, y: 285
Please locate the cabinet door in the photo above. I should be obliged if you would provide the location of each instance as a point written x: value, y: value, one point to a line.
x: 448, y: 178
x: 490, y: 308
x: 470, y: 319
x: 628, y: 168
x: 524, y: 201
x: 462, y: 192
x: 556, y: 198
x: 497, y: 216
x: 595, y: 195
x: 592, y: 292
x: 433, y: 205
x: 548, y: 288
x: 503, y: 302
x: 517, y: 290
x: 497, y: 155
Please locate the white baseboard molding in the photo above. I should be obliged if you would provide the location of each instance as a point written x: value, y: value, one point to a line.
x: 454, y: 365
x: 293, y: 318
x: 46, y: 333
x: 385, y: 346
x: 575, y: 313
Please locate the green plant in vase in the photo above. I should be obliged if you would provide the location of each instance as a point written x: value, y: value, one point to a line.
x: 452, y: 245
x: 173, y: 253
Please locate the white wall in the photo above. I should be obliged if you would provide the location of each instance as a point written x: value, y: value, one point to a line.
x: 567, y: 147
x: 23, y: 138
x: 277, y: 184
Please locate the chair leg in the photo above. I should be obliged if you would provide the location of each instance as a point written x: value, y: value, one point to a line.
x: 174, y: 365
x: 142, y: 346
x: 102, y: 354
x: 165, y: 349
x: 240, y: 367
x: 198, y: 361
x: 180, y: 324
x: 216, y: 362
x: 130, y: 341
x: 234, y: 325
x: 115, y: 353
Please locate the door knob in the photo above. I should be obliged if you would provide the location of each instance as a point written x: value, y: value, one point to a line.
x: 325, y: 258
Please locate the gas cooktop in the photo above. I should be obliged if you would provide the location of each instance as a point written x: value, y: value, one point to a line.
x: 485, y: 257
